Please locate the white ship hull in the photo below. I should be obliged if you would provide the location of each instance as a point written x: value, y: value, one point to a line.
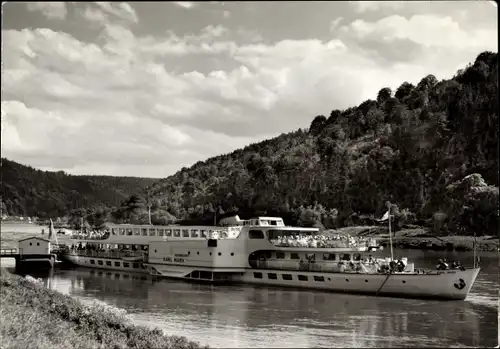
x: 435, y: 286
x: 450, y: 284
x: 106, y: 263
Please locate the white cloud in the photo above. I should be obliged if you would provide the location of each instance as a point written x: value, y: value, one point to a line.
x: 51, y: 10
x: 425, y: 30
x: 102, y: 12
x: 372, y: 6
x: 226, y: 14
x: 113, y: 107
x: 185, y: 4
x: 92, y: 14
x: 334, y: 24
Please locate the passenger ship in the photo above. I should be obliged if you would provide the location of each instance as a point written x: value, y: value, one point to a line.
x: 264, y: 251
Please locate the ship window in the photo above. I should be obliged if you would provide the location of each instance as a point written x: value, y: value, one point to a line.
x: 177, y: 233
x: 129, y: 231
x: 357, y: 256
x: 294, y: 255
x: 185, y: 233
x: 287, y: 277
x: 136, y: 265
x: 152, y: 231
x: 257, y: 275
x: 31, y: 244
x: 319, y: 278
x: 280, y: 255
x: 160, y: 232
x: 113, y: 231
x: 108, y: 263
x: 168, y: 232
x: 255, y: 234
x: 346, y: 257
x: 204, y: 233
x: 38, y: 244
x: 99, y: 262
x: 126, y: 265
x: 328, y: 256
x: 117, y: 264
x: 122, y: 231
x: 220, y: 253
x: 195, y: 233
x: 92, y: 261
x: 302, y: 277
x: 144, y: 232
x: 272, y: 276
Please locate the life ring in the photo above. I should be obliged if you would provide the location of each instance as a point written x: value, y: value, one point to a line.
x: 460, y: 284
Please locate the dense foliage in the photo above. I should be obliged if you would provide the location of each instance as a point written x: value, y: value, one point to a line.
x: 30, y: 192
x: 406, y: 147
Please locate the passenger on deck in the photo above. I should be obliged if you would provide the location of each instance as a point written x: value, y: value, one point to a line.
x: 441, y: 264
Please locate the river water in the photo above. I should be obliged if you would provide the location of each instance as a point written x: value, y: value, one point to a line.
x: 244, y: 316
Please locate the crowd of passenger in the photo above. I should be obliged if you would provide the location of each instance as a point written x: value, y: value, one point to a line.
x: 91, y: 235
x: 318, y: 241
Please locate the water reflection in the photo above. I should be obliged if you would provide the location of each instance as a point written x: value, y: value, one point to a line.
x: 251, y: 316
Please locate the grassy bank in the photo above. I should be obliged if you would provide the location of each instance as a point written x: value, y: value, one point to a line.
x: 36, y: 317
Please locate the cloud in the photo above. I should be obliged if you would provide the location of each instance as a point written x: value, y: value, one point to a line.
x: 372, y: 6
x: 425, y: 30
x: 102, y: 12
x: 116, y: 107
x: 226, y: 14
x: 185, y: 4
x: 51, y: 10
x: 334, y: 24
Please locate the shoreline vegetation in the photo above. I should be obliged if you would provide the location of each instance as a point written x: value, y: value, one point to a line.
x: 36, y: 317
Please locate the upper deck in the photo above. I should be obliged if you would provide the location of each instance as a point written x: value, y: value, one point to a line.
x: 271, y: 229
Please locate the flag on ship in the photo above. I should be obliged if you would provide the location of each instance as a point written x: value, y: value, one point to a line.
x: 384, y: 217
x: 52, y: 231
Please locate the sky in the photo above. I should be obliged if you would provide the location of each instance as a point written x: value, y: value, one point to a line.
x: 144, y: 89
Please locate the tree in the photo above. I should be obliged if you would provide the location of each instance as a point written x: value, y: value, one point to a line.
x: 404, y: 90
x: 384, y: 95
x: 317, y: 125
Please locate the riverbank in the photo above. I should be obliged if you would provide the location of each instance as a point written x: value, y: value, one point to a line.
x: 36, y: 317
x: 422, y: 239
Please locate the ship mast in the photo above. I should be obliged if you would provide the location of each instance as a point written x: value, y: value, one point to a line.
x: 390, y: 233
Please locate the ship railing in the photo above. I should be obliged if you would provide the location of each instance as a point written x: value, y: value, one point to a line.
x: 108, y: 254
x: 323, y: 243
x: 317, y: 244
x: 313, y: 266
x: 93, y: 236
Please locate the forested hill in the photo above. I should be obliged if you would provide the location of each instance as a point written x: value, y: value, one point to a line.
x: 412, y: 147
x: 30, y: 192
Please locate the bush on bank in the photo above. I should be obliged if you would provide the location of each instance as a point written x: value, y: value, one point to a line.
x: 36, y: 317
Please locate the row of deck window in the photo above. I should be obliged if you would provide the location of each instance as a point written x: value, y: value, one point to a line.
x: 326, y: 256
x: 274, y: 276
x: 116, y: 264
x: 186, y: 233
